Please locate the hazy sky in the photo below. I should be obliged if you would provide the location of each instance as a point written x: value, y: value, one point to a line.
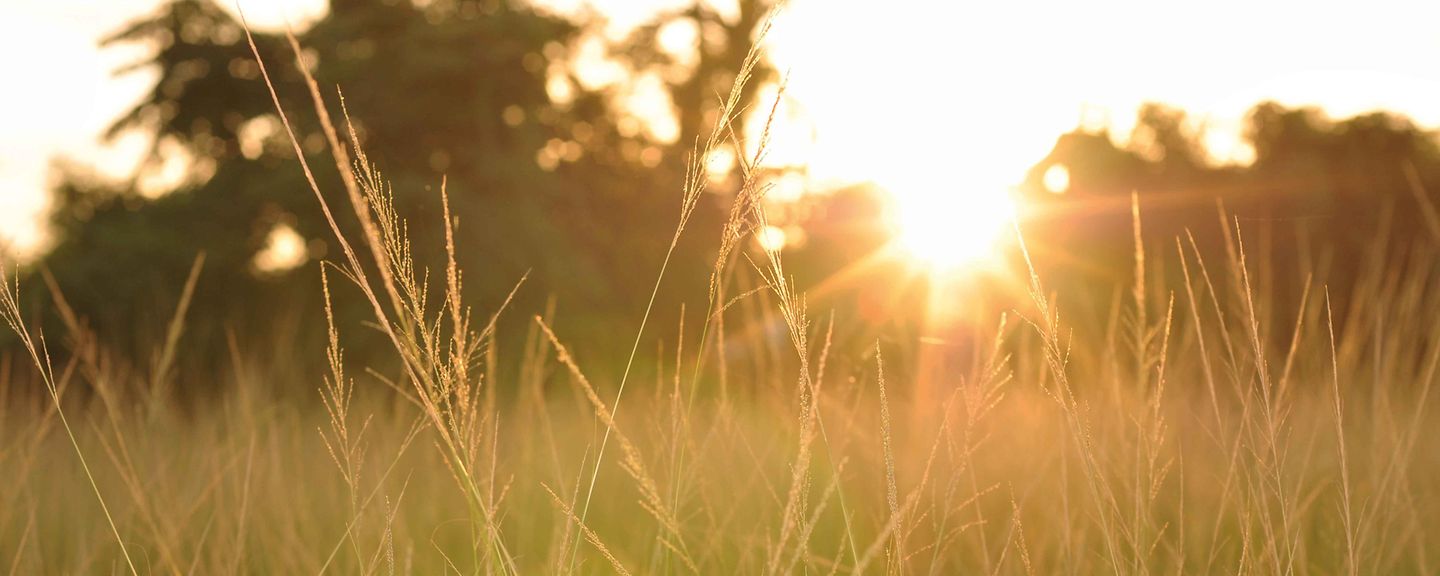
x: 905, y: 92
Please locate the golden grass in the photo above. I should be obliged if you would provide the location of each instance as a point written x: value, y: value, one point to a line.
x: 1030, y: 465
x: 1176, y: 443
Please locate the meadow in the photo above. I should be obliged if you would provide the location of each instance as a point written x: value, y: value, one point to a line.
x: 1183, y: 429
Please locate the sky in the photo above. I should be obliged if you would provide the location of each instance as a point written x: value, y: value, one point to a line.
x: 925, y: 98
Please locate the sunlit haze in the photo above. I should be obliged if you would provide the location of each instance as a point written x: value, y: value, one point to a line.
x: 942, y: 104
x: 662, y: 287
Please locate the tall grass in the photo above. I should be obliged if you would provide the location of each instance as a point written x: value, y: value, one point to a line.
x: 1185, y: 441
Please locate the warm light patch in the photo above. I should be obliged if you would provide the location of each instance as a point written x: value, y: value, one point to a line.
x: 20, y: 234
x: 1057, y: 179
x: 254, y: 133
x: 284, y: 250
x: 770, y: 238
x: 953, y: 229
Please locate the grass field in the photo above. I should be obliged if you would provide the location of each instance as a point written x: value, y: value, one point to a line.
x: 1175, y: 437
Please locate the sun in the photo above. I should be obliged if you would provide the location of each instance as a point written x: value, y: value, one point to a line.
x: 951, y: 230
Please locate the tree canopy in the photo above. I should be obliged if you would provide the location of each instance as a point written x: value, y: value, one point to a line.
x: 550, y: 177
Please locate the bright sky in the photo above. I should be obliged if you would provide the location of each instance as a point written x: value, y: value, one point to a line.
x: 928, y: 98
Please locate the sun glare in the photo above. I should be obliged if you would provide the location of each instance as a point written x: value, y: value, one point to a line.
x: 953, y: 230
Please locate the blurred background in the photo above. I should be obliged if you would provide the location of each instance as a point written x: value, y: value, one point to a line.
x: 136, y: 135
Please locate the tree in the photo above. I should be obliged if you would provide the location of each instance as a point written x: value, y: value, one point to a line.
x: 1340, y: 200
x: 454, y: 89
x: 700, y: 78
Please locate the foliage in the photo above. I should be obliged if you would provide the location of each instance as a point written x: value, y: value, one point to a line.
x: 454, y: 90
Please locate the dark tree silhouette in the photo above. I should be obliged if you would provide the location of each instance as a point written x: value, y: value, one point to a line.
x: 453, y: 88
